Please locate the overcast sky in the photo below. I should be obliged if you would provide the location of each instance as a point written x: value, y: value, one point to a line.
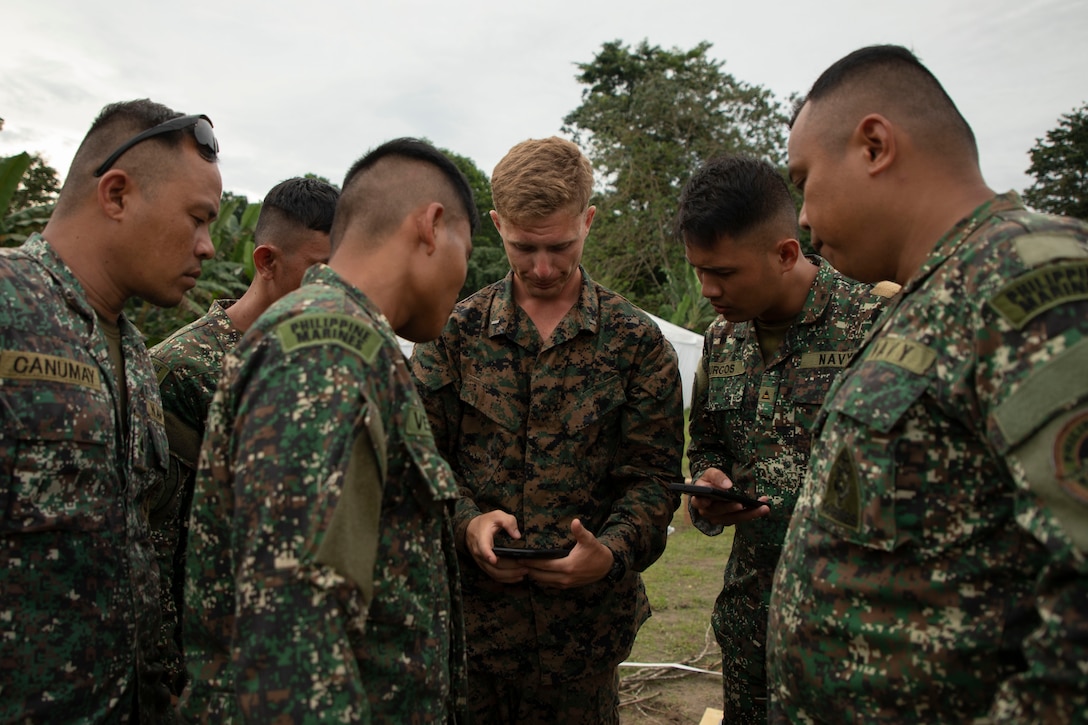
x: 297, y: 87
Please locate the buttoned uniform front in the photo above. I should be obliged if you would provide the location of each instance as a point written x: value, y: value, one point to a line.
x: 935, y: 569
x: 587, y: 425
x: 752, y: 419
x: 187, y: 365
x: 299, y: 599
x: 79, y: 589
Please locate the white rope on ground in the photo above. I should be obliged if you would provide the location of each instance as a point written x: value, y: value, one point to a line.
x: 669, y: 665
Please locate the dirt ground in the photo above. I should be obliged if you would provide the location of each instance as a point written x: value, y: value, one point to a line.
x: 682, y: 586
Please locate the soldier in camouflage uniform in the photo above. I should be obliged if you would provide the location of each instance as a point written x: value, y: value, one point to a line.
x: 786, y: 326
x: 935, y: 568
x: 82, y: 443
x: 321, y: 579
x: 292, y: 234
x: 558, y: 404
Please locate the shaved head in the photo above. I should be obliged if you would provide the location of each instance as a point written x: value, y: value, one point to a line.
x: 393, y: 180
x: 889, y: 80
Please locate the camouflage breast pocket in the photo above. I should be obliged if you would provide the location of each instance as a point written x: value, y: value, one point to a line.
x: 857, y: 461
x: 492, y: 418
x: 725, y: 386
x: 57, y: 457
x: 808, y: 394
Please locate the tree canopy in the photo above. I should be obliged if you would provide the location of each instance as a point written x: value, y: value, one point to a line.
x: 648, y: 118
x: 488, y: 263
x: 1059, y: 164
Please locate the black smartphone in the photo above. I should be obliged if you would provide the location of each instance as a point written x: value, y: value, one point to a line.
x: 722, y: 494
x: 521, y: 552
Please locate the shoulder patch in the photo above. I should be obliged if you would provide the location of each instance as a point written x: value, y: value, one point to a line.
x: 1036, y: 249
x: 1059, y: 383
x: 842, y: 497
x: 1071, y: 457
x: 886, y: 289
x: 1040, y: 290
x: 18, y: 365
x: 903, y: 353
x: 329, y: 329
x: 161, y: 369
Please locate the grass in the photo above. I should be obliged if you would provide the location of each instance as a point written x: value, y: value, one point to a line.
x: 682, y: 586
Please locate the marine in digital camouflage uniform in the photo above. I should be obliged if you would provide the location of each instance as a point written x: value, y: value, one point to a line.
x: 82, y: 443
x: 935, y: 569
x: 321, y: 579
x: 291, y: 234
x: 786, y: 326
x: 545, y: 427
x: 187, y: 366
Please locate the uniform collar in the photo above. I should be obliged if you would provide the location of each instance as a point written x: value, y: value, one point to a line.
x: 38, y: 249
x: 324, y: 274
x: 585, y: 315
x: 947, y: 245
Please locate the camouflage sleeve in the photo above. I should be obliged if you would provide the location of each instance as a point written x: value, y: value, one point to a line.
x: 437, y: 378
x: 705, y: 448
x: 1036, y: 389
x: 299, y: 596
x: 652, y: 434
x: 169, y: 517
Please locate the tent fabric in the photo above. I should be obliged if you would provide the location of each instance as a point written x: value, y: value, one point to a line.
x: 688, y: 346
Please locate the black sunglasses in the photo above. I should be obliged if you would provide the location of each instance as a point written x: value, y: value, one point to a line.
x: 202, y: 130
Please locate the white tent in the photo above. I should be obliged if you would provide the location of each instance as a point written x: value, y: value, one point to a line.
x: 688, y: 346
x: 689, y: 349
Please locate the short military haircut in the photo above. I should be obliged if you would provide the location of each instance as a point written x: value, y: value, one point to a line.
x: 383, y: 187
x: 115, y: 124
x: 299, y: 203
x: 739, y: 197
x: 539, y: 177
x: 890, y: 80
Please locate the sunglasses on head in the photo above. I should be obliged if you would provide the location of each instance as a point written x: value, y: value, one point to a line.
x: 202, y: 131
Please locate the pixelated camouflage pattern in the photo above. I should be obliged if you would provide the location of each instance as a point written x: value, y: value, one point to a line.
x: 187, y: 365
x: 79, y: 589
x: 923, y: 577
x: 764, y: 449
x: 588, y: 426
x: 307, y: 645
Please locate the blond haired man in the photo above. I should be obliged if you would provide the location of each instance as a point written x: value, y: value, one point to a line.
x: 533, y: 389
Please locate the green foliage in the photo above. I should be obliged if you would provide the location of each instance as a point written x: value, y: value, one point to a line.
x: 28, y: 192
x: 39, y: 186
x: 1060, y: 167
x: 488, y: 263
x: 649, y: 117
x: 692, y: 310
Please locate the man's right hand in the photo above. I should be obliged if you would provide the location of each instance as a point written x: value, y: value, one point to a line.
x: 723, y: 513
x: 480, y: 538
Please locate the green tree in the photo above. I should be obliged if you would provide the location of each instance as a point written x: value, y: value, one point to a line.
x: 39, y: 185
x: 28, y: 194
x: 648, y: 118
x: 488, y: 263
x: 1060, y: 167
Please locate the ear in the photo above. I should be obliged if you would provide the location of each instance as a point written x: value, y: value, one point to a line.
x: 427, y: 222
x: 787, y: 253
x: 264, y: 260
x: 875, y: 138
x: 113, y: 190
x: 496, y: 221
x: 591, y: 212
